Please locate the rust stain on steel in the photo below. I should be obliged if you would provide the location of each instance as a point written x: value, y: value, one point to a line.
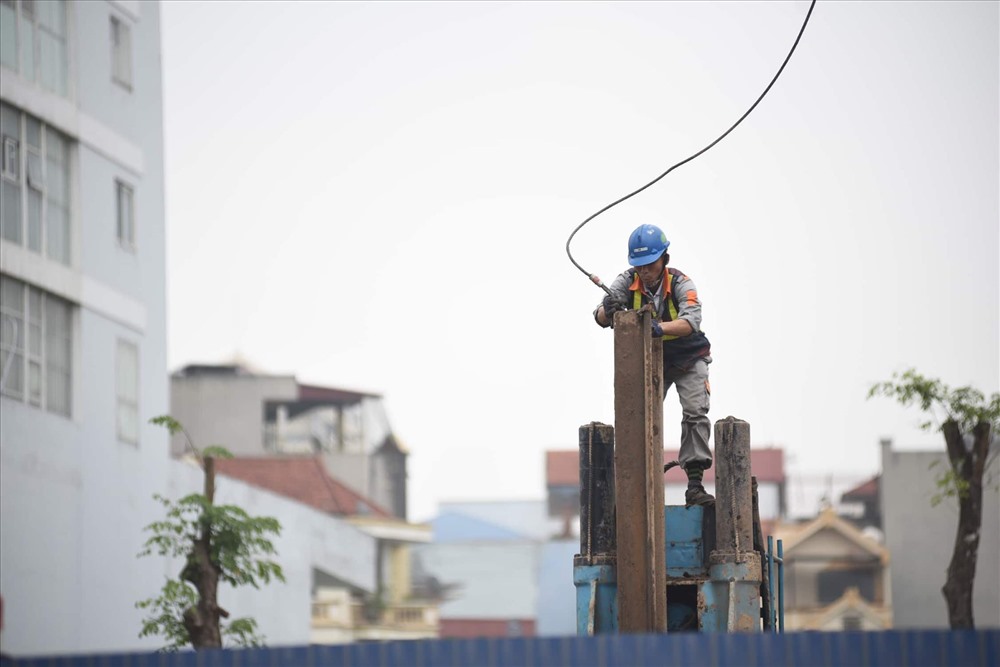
x: 733, y: 494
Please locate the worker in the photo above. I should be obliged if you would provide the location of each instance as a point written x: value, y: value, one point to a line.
x: 673, y: 300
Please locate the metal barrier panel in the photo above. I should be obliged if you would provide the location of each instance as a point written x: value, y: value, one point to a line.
x: 894, y: 648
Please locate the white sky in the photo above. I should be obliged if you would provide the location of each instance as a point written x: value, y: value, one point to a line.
x: 377, y: 196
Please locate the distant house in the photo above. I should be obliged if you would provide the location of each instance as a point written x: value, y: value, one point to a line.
x: 836, y: 577
x: 562, y: 474
x: 867, y: 497
x: 258, y: 414
x: 340, y: 612
x: 498, y: 571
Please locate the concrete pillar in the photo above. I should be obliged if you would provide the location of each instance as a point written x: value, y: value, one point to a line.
x: 641, y: 557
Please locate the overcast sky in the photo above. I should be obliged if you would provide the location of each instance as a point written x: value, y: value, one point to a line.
x: 377, y: 196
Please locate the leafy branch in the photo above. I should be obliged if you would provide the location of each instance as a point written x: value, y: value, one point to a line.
x: 217, y: 543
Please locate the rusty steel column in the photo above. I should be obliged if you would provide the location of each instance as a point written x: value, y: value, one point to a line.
x: 733, y: 493
x: 597, y: 494
x: 731, y: 600
x: 642, y: 600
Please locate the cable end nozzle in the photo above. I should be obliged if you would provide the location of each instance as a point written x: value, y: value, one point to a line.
x: 597, y: 281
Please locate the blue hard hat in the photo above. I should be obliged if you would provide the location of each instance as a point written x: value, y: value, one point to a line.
x: 646, y: 244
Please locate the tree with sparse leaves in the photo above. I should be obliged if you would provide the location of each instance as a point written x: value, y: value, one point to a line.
x: 968, y: 420
x: 217, y: 542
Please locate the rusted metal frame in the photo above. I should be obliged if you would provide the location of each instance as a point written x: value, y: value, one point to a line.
x: 781, y: 588
x: 639, y: 475
x: 758, y: 545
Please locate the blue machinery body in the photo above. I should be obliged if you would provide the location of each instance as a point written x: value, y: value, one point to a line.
x: 716, y: 580
x: 701, y: 594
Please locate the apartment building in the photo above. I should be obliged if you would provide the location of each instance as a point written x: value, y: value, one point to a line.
x: 82, y: 320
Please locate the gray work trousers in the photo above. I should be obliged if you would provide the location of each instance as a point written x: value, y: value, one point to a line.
x: 694, y: 392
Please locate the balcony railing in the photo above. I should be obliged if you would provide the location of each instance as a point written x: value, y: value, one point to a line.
x: 404, y: 617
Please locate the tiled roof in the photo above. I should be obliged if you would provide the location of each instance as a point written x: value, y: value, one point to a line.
x: 309, y: 392
x: 562, y: 467
x: 301, y: 478
x: 865, y: 490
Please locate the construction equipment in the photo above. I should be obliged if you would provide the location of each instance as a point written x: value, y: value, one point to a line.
x: 646, y: 567
x: 718, y: 575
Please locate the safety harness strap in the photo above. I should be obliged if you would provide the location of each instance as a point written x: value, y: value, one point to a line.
x: 668, y: 295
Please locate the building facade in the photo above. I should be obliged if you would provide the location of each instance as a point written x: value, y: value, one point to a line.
x: 921, y: 537
x: 257, y: 414
x: 82, y: 320
x: 342, y: 611
x: 836, y: 576
x: 562, y: 480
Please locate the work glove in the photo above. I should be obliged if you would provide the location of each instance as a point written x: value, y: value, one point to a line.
x: 657, y: 330
x: 611, y: 306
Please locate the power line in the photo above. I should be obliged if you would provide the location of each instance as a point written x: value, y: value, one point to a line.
x: 593, y: 278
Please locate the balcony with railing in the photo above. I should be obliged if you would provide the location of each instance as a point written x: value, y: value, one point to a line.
x: 341, y: 619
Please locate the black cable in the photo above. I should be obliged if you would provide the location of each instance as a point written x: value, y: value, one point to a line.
x: 593, y: 278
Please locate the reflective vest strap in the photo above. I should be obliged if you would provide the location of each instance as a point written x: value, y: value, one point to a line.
x: 668, y: 295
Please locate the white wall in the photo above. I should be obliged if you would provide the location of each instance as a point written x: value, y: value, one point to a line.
x: 72, y: 529
x: 227, y: 410
x: 73, y: 499
x: 921, y: 538
x: 309, y: 538
x: 496, y: 579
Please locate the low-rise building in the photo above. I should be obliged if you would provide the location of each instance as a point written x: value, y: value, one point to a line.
x: 260, y: 414
x: 836, y: 577
x: 342, y: 612
x: 920, y: 536
x: 562, y: 474
x: 499, y: 569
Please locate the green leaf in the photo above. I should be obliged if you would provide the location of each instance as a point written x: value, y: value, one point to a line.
x: 239, y: 549
x: 216, y: 452
x: 168, y: 422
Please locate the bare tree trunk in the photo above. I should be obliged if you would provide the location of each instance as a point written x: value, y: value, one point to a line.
x: 202, y: 620
x: 969, y: 467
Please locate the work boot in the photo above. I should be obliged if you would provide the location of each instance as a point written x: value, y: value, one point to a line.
x: 697, y: 495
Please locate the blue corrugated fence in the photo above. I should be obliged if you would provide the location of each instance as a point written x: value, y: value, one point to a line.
x: 897, y: 648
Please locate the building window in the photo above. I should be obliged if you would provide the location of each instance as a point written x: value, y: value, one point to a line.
x: 33, y: 41
x: 851, y: 622
x: 36, y: 346
x: 128, y: 392
x: 121, y: 53
x: 832, y: 583
x: 34, y: 202
x: 126, y: 214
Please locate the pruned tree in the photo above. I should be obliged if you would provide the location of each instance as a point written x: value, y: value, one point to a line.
x: 967, y: 420
x: 217, y: 543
